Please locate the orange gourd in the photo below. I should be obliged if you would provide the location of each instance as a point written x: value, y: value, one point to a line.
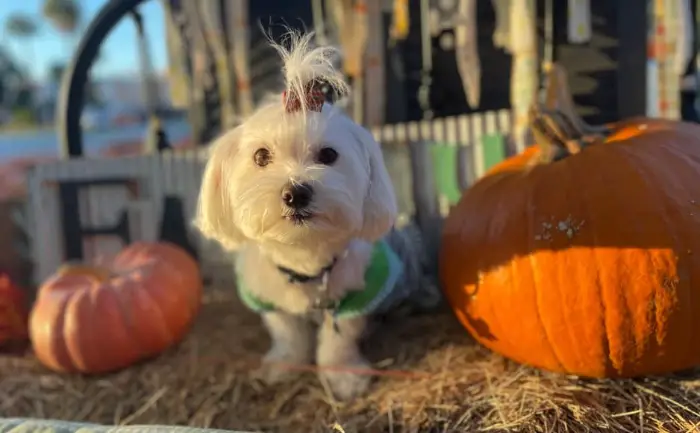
x: 13, y: 314
x: 96, y: 319
x: 582, y: 255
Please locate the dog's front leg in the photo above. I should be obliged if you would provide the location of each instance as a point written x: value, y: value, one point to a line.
x: 291, y: 345
x: 338, y: 350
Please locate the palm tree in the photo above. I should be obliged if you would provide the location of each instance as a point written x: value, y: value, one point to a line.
x: 19, y: 25
x: 63, y: 14
x: 24, y: 28
x: 14, y: 91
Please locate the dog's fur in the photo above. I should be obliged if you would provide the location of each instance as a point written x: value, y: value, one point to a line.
x: 353, y: 206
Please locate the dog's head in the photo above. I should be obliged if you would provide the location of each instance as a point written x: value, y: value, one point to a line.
x: 297, y: 171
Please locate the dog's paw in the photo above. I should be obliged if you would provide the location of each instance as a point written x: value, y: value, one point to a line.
x: 278, y: 366
x: 348, y: 385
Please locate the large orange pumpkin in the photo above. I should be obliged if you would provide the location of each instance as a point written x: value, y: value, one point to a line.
x: 582, y: 255
x: 95, y: 319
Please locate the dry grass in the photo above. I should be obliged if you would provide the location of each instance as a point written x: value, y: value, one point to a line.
x: 446, y: 384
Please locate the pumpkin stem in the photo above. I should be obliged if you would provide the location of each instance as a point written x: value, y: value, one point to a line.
x: 556, y: 127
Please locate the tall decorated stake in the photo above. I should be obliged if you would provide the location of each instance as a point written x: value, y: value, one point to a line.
x: 374, y: 71
x: 524, y: 78
x: 239, y: 41
x: 350, y: 20
x: 670, y: 51
x: 467, y: 52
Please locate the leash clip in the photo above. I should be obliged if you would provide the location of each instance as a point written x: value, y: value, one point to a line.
x: 328, y: 305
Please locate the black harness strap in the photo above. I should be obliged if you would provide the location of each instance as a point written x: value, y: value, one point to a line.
x: 295, y: 277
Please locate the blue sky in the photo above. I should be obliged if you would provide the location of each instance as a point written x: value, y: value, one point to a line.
x: 118, y: 56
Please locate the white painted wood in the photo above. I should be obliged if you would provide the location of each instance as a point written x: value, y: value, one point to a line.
x: 475, y: 122
x: 413, y: 134
x: 51, y: 245
x: 438, y: 131
x: 464, y: 131
x: 451, y: 131
x: 505, y: 122
x: 491, y: 122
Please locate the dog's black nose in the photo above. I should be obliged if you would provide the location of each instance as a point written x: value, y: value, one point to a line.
x: 297, y: 195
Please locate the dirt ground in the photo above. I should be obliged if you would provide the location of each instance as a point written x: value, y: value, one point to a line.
x: 432, y: 378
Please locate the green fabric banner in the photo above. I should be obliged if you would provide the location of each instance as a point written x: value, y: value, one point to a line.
x: 445, y: 164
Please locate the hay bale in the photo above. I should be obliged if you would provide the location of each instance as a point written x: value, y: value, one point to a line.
x: 431, y: 377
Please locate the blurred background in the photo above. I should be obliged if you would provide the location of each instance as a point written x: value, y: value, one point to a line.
x: 608, y: 65
x: 37, y: 45
x: 159, y: 58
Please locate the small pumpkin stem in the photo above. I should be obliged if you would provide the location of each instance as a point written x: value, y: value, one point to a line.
x: 556, y: 127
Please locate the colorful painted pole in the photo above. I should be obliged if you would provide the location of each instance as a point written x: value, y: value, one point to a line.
x: 400, y: 20
x: 501, y: 34
x: 178, y: 54
x: 207, y: 21
x: 350, y: 18
x: 524, y: 79
x: 579, y: 21
x: 467, y: 51
x: 239, y: 41
x: 319, y: 22
x: 666, y: 54
x: 374, y: 70
x: 427, y: 60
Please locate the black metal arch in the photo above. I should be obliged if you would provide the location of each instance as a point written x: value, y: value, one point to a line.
x: 72, y: 94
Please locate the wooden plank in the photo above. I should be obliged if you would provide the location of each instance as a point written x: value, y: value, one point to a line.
x: 476, y: 137
x: 398, y: 163
x: 103, y: 204
x: 492, y: 142
x: 444, y: 159
x: 494, y: 149
x: 50, y: 242
x: 427, y: 207
x: 238, y: 19
x: 375, y: 89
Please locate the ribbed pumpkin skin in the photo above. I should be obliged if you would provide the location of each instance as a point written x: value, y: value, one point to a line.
x: 83, y: 322
x: 589, y: 265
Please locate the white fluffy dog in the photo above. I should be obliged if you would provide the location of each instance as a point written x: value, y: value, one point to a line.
x: 301, y: 192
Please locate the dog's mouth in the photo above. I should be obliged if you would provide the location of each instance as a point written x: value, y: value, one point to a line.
x: 300, y: 217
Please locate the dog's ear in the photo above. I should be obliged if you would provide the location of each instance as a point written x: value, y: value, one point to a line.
x: 380, y: 208
x: 214, y: 215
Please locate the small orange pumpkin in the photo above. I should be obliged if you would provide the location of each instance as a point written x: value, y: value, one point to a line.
x: 13, y: 314
x: 582, y: 255
x: 96, y: 319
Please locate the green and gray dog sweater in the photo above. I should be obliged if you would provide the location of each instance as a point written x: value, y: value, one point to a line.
x: 381, y: 277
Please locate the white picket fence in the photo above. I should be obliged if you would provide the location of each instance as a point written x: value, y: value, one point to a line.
x: 430, y: 163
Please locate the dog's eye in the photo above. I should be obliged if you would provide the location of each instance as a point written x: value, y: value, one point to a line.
x: 262, y: 157
x: 327, y: 156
